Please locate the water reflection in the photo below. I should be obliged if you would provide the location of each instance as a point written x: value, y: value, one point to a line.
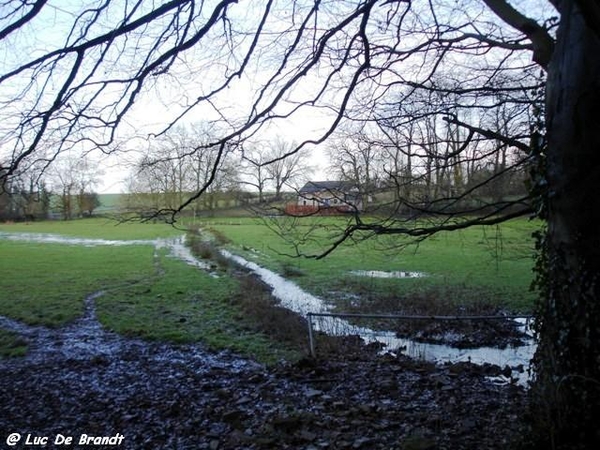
x: 382, y: 274
x: 294, y: 298
x: 288, y: 293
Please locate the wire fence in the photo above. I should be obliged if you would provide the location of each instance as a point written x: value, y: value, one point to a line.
x: 336, y: 324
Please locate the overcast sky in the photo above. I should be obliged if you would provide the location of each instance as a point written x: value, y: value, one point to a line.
x: 202, y: 68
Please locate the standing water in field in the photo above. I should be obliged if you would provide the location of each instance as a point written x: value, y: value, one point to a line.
x: 175, y: 245
x: 290, y: 295
x: 293, y: 297
x: 48, y: 238
x: 382, y: 274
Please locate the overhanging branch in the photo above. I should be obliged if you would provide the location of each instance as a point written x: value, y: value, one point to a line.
x: 543, y: 43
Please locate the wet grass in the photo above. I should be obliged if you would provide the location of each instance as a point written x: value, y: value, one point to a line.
x: 150, y: 296
x: 182, y: 304
x: 262, y: 313
x: 45, y: 284
x: 94, y: 228
x: 161, y: 298
x: 11, y: 344
x: 488, y: 266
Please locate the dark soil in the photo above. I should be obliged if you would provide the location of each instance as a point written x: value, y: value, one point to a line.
x: 164, y: 397
x: 464, y: 333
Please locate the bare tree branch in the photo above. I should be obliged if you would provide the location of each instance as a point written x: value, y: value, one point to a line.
x: 543, y: 43
x: 36, y: 8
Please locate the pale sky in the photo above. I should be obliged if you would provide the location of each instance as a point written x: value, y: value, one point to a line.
x: 201, y: 68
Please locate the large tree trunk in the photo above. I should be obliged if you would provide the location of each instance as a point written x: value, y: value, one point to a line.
x: 566, y: 392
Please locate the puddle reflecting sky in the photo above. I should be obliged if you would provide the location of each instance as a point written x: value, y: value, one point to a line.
x: 382, y: 274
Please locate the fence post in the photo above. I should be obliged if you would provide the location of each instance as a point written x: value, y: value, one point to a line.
x: 311, y: 341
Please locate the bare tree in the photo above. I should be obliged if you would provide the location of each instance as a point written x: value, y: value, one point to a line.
x: 84, y: 85
x: 26, y: 196
x: 357, y: 159
x: 178, y: 163
x: 284, y: 166
x: 73, y: 180
x: 273, y: 164
x: 254, y: 172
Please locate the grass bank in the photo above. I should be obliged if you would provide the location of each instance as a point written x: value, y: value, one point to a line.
x: 477, y: 269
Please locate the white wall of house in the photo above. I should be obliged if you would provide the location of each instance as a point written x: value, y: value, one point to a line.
x: 325, y: 199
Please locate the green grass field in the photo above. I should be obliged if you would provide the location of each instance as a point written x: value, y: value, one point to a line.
x: 45, y: 284
x: 147, y: 295
x: 150, y: 295
x: 474, y: 266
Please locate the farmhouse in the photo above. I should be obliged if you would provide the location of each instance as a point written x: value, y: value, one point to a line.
x: 328, y: 197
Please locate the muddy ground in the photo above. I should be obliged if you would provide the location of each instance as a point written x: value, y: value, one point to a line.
x: 84, y: 380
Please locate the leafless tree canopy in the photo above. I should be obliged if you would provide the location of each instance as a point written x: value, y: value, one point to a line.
x: 446, y: 95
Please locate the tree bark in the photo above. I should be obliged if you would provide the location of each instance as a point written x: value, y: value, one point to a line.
x: 566, y: 391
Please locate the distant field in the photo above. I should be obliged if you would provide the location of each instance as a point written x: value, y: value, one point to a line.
x: 109, y: 202
x: 477, y: 265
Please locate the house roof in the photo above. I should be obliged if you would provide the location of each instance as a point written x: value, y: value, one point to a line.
x: 317, y: 186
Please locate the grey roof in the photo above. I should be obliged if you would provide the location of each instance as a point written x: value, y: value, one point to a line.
x: 317, y: 186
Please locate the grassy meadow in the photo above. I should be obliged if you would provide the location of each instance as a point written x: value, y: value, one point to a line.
x: 480, y: 267
x: 150, y: 295
x: 147, y: 293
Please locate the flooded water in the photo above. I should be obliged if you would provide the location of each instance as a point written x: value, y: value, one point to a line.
x: 48, y: 238
x: 83, y: 378
x: 293, y: 297
x: 288, y: 293
x: 509, y: 356
x: 85, y: 339
x: 86, y: 336
x: 178, y: 249
x: 81, y: 339
x: 382, y: 274
x: 175, y: 246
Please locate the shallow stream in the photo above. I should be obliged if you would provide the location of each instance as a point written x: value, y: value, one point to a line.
x: 293, y: 297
